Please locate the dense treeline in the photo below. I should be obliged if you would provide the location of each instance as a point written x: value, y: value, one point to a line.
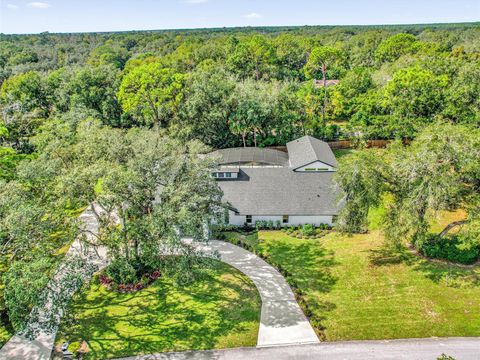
x: 85, y: 116
x: 225, y: 85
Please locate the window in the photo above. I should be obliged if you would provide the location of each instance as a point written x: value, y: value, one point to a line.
x: 221, y: 175
x: 248, y: 219
x: 228, y: 175
x: 285, y: 219
x: 316, y: 169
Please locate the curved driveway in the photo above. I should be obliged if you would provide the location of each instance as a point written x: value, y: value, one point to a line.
x: 282, y: 322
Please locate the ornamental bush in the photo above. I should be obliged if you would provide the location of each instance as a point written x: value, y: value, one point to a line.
x: 121, y: 271
x: 308, y: 230
x: 458, y: 249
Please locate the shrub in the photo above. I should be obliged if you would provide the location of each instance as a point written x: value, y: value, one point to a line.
x: 308, y: 230
x: 121, y: 272
x: 456, y: 249
x: 260, y: 224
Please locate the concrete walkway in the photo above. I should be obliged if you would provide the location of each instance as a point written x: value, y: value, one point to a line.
x: 282, y: 322
x: 408, y: 349
x: 45, y: 319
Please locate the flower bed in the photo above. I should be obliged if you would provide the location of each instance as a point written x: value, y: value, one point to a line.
x: 308, y: 231
x: 145, y: 280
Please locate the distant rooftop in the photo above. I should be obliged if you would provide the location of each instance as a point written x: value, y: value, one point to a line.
x: 319, y: 83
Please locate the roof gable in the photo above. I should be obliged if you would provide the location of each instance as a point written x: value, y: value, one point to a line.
x: 307, y: 150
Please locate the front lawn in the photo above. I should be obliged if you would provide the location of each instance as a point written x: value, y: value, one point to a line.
x: 353, y: 288
x: 358, y: 290
x: 219, y: 310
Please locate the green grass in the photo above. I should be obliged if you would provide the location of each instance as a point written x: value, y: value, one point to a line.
x: 360, y: 290
x: 237, y: 238
x: 357, y: 289
x: 219, y: 310
x: 339, y: 153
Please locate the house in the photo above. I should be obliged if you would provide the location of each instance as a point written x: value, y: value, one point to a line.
x: 293, y: 187
x: 319, y: 83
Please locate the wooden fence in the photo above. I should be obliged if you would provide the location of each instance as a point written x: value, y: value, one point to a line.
x: 344, y: 144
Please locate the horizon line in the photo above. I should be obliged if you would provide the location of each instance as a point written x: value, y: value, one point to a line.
x: 477, y: 22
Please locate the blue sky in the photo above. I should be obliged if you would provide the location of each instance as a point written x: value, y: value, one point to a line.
x: 25, y: 16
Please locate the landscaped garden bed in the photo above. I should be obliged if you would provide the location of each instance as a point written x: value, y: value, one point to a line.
x: 220, y: 309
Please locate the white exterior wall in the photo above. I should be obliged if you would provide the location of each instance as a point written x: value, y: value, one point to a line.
x: 316, y: 220
x: 273, y: 218
x: 310, y: 219
x: 234, y: 219
x: 316, y: 164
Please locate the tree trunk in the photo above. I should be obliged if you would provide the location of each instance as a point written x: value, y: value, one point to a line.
x: 451, y: 226
x: 243, y: 139
x: 156, y: 115
x: 135, y: 244
x: 324, y: 73
x: 255, y: 137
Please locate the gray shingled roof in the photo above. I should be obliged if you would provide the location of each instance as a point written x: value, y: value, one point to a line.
x: 251, y: 155
x: 281, y: 191
x: 307, y: 149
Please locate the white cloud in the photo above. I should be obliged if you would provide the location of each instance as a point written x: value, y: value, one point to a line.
x: 12, y: 6
x: 38, y: 5
x: 195, y: 1
x: 253, y: 15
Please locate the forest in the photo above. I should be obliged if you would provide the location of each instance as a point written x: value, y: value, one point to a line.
x: 85, y: 116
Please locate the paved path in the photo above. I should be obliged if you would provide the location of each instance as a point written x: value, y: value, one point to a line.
x: 410, y: 349
x: 44, y: 320
x: 282, y: 321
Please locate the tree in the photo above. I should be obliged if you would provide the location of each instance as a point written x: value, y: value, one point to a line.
x: 90, y: 88
x: 347, y: 95
x: 253, y: 56
x: 24, y: 104
x: 109, y: 55
x: 319, y: 61
x: 208, y: 106
x: 415, y: 96
x: 25, y: 92
x: 439, y: 170
x: 462, y: 100
x: 254, y: 105
x: 395, y: 46
x: 291, y: 56
x: 164, y: 187
x: 23, y: 282
x: 152, y: 92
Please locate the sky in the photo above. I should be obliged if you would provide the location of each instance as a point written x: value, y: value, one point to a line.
x: 25, y: 16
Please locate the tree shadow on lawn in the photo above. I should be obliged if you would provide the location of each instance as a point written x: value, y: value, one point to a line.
x: 196, y: 316
x: 439, y: 272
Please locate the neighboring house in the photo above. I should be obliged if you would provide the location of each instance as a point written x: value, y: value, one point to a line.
x: 292, y: 188
x: 319, y: 83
